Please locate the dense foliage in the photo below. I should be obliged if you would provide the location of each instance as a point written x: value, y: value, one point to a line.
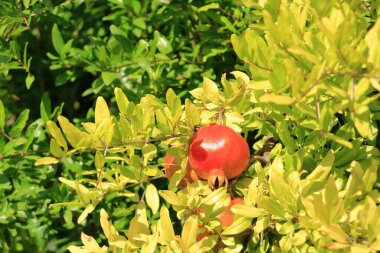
x: 305, y: 97
x: 55, y: 53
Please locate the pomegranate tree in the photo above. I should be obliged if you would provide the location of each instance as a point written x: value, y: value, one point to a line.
x: 218, y: 153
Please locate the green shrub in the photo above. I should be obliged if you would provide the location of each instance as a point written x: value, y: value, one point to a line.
x: 312, y: 84
x: 306, y: 98
x: 73, y: 51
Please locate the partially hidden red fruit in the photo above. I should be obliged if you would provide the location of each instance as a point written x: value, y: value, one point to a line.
x: 218, y: 153
x: 172, y: 165
x: 227, y: 217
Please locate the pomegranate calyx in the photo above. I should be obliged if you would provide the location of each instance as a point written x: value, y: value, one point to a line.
x: 217, y: 179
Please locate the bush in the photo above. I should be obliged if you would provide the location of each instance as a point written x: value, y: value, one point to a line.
x: 306, y: 99
x: 67, y: 52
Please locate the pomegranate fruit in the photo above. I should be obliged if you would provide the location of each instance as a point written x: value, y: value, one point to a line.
x: 218, y: 153
x: 227, y: 217
x: 172, y: 165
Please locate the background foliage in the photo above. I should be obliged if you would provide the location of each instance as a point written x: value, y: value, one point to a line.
x: 55, y: 53
x: 308, y: 77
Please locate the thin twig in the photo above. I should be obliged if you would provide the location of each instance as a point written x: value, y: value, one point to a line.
x: 259, y: 66
x: 5, y: 135
x: 318, y: 109
x: 121, y: 145
x: 352, y: 96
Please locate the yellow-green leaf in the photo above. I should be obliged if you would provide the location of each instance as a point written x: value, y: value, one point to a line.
x: 102, y: 112
x: 166, y: 227
x: 55, y: 149
x: 248, y: 211
x: 2, y: 115
x: 190, y: 230
x: 121, y: 100
x: 109, y: 77
x: 339, y: 140
x: 152, y: 198
x: 276, y: 99
x: 170, y: 197
x: 73, y: 134
x: 210, y: 90
x: 335, y: 232
x: 105, y: 224
x: 89, y: 209
x: 99, y: 160
x: 91, y: 244
x: 239, y: 225
x: 57, y: 134
x: 149, y: 151
x: 150, y: 245
x: 46, y: 161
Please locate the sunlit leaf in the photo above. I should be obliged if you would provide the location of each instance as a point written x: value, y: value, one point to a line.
x: 46, y: 161
x: 152, y: 198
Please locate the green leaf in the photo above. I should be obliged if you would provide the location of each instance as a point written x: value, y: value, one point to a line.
x: 272, y: 206
x: 238, y: 226
x: 26, y: 3
x: 215, y: 196
x: 152, y: 198
x: 29, y: 80
x: 109, y: 77
x: 20, y: 124
x: 339, y: 140
x: 57, y: 39
x: 327, y: 117
x: 322, y: 171
x: 208, y: 7
x: 286, y: 138
x: 372, y: 40
x: 334, y: 204
x: 370, y: 176
x: 361, y: 120
x: 45, y: 107
x: 316, y: 180
x: 192, y: 114
x: 99, y: 160
x: 149, y: 151
x: 163, y: 45
x: 2, y: 116
x: 280, y: 189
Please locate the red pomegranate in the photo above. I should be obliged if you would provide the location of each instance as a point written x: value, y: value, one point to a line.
x: 218, y: 153
x: 227, y: 217
x: 172, y: 165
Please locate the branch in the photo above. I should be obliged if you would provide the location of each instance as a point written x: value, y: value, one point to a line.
x: 5, y: 135
x: 258, y: 66
x: 121, y: 145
